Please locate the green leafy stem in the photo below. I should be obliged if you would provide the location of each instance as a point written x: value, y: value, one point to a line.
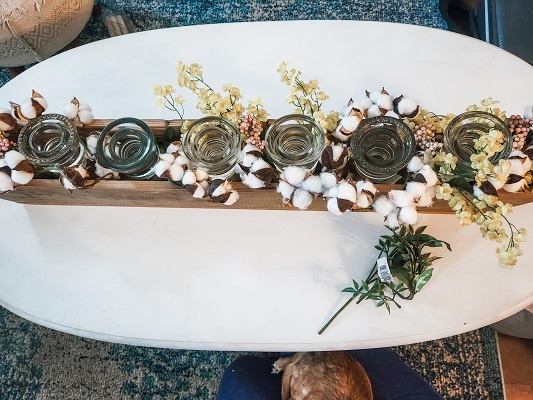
x: 408, y: 269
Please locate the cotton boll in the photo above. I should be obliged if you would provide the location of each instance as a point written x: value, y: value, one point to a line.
x: 3, y: 162
x: 312, y: 184
x: 374, y: 95
x: 517, y: 166
x: 181, y: 160
x: 401, y: 198
x: 219, y: 187
x: 333, y: 206
x: 426, y: 199
x: 259, y: 164
x: 204, y: 185
x: 167, y: 158
x: 497, y: 184
x: 347, y: 191
x: 249, y: 159
x: 199, y: 192
x: 28, y: 110
x: 416, y: 164
x: 525, y: 161
x: 67, y: 184
x: 302, y: 199
x: 350, y: 123
x: 338, y: 151
x: 84, y: 107
x: 363, y: 201
x: 91, y: 141
x: 200, y: 174
x: 365, y: 103
x: 431, y: 176
x: 173, y: 147
x: 13, y: 158
x: 21, y: 177
x: 407, y: 107
x: 6, y: 184
x: 416, y: 189
x: 189, y: 178
x: 328, y: 179
x: 408, y: 215
x: 285, y: 189
x: 366, y: 186
x: 71, y: 110
x: 233, y: 197
x: 105, y: 172
x: 342, y: 136
x: 161, y: 167
x: 331, y: 192
x: 294, y: 175
x: 515, y: 187
x: 175, y: 172
x: 252, y: 181
x: 392, y: 219
x: 85, y: 117
x: 383, y: 206
x: 392, y: 114
x: 374, y: 111
x: 384, y: 101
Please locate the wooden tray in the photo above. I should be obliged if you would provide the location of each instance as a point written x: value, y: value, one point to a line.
x: 162, y: 193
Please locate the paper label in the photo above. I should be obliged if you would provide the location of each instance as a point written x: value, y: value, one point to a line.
x: 384, y: 270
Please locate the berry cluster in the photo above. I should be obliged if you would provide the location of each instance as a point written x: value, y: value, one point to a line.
x: 426, y: 138
x: 5, y: 145
x: 252, y: 129
x: 520, y: 128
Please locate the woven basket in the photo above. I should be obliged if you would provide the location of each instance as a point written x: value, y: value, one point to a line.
x: 33, y: 30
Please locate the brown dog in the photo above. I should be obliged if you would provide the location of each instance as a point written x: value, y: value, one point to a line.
x: 331, y: 375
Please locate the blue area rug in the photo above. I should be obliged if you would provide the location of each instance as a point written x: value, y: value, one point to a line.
x: 38, y: 363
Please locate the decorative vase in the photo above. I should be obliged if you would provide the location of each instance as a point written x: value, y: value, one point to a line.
x: 461, y: 132
x: 381, y: 147
x: 51, y: 142
x: 294, y: 140
x: 213, y: 144
x: 127, y: 146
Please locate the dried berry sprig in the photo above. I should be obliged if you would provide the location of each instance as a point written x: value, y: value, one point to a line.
x: 520, y: 127
x: 401, y: 269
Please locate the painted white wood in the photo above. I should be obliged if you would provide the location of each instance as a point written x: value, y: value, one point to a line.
x: 243, y: 279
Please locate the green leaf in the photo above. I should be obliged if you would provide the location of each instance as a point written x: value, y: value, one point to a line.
x: 423, y: 278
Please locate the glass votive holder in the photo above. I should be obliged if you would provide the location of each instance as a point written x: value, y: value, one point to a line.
x: 294, y: 140
x: 461, y: 132
x: 127, y: 146
x: 381, y: 147
x: 213, y: 145
x: 51, y: 142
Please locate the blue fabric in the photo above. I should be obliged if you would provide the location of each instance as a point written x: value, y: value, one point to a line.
x: 250, y: 378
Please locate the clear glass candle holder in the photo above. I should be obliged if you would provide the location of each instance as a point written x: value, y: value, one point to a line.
x: 213, y: 144
x: 461, y: 132
x: 294, y: 140
x: 51, y: 142
x: 381, y: 147
x: 127, y: 146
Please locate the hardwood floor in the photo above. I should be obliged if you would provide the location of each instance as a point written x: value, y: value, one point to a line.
x: 517, y: 365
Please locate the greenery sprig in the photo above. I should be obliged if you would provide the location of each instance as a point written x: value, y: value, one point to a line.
x: 400, y: 271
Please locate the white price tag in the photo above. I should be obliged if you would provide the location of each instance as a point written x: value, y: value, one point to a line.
x: 384, y: 270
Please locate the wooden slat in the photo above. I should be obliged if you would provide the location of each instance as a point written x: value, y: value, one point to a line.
x: 165, y: 194
x: 157, y: 193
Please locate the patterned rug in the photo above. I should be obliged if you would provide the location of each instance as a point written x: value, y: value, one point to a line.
x: 38, y: 363
x: 42, y: 364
